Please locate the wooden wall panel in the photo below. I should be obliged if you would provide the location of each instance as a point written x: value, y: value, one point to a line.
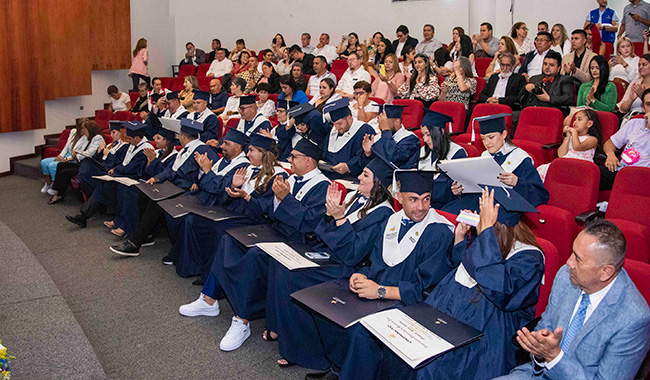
x: 110, y: 23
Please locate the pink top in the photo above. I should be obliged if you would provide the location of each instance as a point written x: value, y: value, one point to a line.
x: 140, y: 62
x: 380, y: 88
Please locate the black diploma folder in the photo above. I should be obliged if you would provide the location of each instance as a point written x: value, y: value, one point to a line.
x: 335, y: 301
x: 248, y: 236
x: 181, y: 206
x: 160, y: 191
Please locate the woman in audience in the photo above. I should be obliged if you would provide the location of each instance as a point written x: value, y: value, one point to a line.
x: 363, y: 109
x: 120, y: 101
x: 348, y: 45
x: 581, y: 140
x: 298, y: 77
x: 464, y: 48
x: 387, y: 83
x: 232, y: 105
x: 599, y: 93
x: 631, y: 102
x: 242, y: 63
x: 49, y: 165
x: 506, y: 45
x: 186, y: 96
x: 624, y: 66
x: 442, y: 63
x: 456, y: 33
x: 459, y: 86
x: 561, y: 42
x: 384, y: 48
x: 240, y: 47
x: 141, y: 106
x: 284, y: 65
x: 494, y: 289
x: 290, y: 90
x: 407, y: 67
x: 423, y: 85
x: 89, y: 143
x: 326, y: 94
x: 139, y: 64
x: 251, y: 75
x: 270, y: 77
x: 374, y: 44
x: 278, y: 47
x: 265, y: 106
x: 367, y: 65
x: 519, y: 35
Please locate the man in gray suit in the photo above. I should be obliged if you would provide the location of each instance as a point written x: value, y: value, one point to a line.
x: 596, y: 324
x: 193, y: 56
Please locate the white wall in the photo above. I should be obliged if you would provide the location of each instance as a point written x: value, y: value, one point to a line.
x: 151, y: 19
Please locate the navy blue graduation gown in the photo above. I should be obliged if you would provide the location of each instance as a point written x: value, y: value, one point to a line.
x: 350, y: 153
x: 106, y: 193
x: 153, y: 123
x: 529, y: 185
x: 265, y: 125
x: 441, y: 193
x: 187, y: 174
x: 211, y: 126
x: 212, y: 187
x: 348, y: 245
x: 403, y: 154
x: 284, y: 137
x: 88, y: 168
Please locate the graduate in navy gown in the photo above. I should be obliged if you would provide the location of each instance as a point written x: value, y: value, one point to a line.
x: 438, y: 146
x: 285, y: 131
x: 413, y: 255
x: 518, y: 169
x: 396, y: 143
x: 342, y: 147
x: 168, y: 106
x: 295, y: 210
x: 494, y: 289
x: 348, y: 232
x: 111, y: 155
x: 307, y: 121
x: 202, y: 114
x: 131, y: 166
x: 183, y: 173
x: 251, y: 121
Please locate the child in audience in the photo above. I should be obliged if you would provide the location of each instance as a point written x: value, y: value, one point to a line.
x: 581, y: 140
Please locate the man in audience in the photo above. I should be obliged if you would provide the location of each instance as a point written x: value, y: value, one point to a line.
x: 306, y: 59
x: 399, y: 145
x: 429, y: 45
x: 549, y: 89
x: 220, y: 66
x: 606, y: 20
x: 193, y: 56
x: 250, y: 75
x: 634, y: 136
x: 597, y: 324
x: 504, y: 87
x: 306, y: 48
x: 218, y: 97
x: 576, y: 63
x: 156, y: 88
x: 542, y: 27
x: 636, y: 19
x: 325, y: 49
x: 267, y: 56
x: 403, y: 40
x: 352, y: 75
x: 320, y: 73
x: 216, y: 45
x: 485, y: 45
x: 534, y: 60
x: 211, y: 124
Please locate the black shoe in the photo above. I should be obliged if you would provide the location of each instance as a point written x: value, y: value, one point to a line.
x: 149, y: 242
x: 167, y: 260
x: 329, y: 375
x: 126, y: 248
x: 198, y: 282
x: 79, y: 220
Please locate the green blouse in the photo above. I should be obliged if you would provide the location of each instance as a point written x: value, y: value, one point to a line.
x: 607, y: 100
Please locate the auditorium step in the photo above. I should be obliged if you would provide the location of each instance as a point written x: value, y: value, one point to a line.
x: 28, y: 167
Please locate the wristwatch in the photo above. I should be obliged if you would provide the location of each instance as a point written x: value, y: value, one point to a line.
x: 381, y: 292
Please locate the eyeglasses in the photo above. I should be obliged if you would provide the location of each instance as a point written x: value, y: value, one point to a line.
x: 293, y: 156
x: 524, y: 28
x: 505, y: 64
x: 241, y: 108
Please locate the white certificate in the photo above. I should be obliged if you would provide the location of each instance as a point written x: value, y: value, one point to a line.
x: 105, y: 177
x: 470, y: 172
x: 171, y: 124
x: 286, y: 255
x: 410, y: 340
x: 348, y: 184
x: 123, y: 180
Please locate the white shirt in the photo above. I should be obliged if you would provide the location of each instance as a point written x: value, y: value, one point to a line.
x: 630, y: 74
x: 500, y: 89
x: 307, y: 49
x: 220, y: 68
x: 535, y: 66
x: 267, y: 109
x: 349, y: 78
x: 564, y: 49
x: 332, y: 98
x: 327, y: 51
x: 120, y: 104
x: 232, y: 104
x: 314, y: 82
x: 398, y: 50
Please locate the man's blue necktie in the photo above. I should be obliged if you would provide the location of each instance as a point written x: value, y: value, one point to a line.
x: 576, y: 323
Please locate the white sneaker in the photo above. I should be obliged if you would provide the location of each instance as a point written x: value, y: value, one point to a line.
x: 236, y: 335
x: 52, y: 192
x: 45, y: 188
x: 200, y: 307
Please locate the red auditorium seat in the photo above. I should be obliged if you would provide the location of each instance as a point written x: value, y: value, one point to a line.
x: 202, y: 70
x: 450, y: 217
x: 609, y: 124
x: 231, y: 123
x: 338, y: 68
x: 166, y: 82
x: 455, y: 110
x: 640, y: 275
x: 573, y: 188
x: 539, y: 126
x: 177, y: 84
x: 342, y: 189
x: 260, y: 56
x: 552, y: 264
x: 204, y: 83
x: 628, y: 209
x: 123, y: 116
x: 471, y: 150
x: 186, y: 70
x: 274, y: 97
x: 134, y: 95
x: 481, y: 65
x: 638, y: 48
x: 479, y: 110
x: 609, y: 50
x: 413, y: 113
x: 480, y: 85
x: 102, y: 117
x: 53, y: 151
x: 620, y: 91
x: 377, y: 100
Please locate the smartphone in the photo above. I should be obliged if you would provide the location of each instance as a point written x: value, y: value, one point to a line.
x: 317, y: 255
x: 382, y: 70
x: 274, y: 41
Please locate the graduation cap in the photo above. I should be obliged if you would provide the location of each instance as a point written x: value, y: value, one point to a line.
x: 308, y: 148
x: 134, y: 128
x: 169, y: 135
x: 201, y: 95
x: 436, y: 119
x: 171, y: 96
x: 512, y: 204
x: 337, y: 110
x: 191, y: 127
x: 382, y: 169
x: 492, y: 123
x: 260, y: 141
x: 286, y: 104
x: 246, y: 99
x: 300, y: 111
x: 414, y: 181
x: 156, y: 97
x: 393, y: 111
x: 116, y: 125
x: 236, y: 136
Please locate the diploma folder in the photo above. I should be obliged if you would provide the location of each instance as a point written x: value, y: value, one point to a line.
x: 159, y: 191
x: 470, y: 172
x: 419, y: 334
x: 171, y: 124
x: 249, y: 236
x: 335, y: 301
x: 181, y: 206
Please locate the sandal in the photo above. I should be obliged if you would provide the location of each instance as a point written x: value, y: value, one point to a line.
x: 118, y: 232
x: 110, y: 224
x: 53, y: 200
x: 266, y: 335
x: 284, y: 363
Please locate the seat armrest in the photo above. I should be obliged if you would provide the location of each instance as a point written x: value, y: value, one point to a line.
x: 587, y: 216
x: 551, y: 146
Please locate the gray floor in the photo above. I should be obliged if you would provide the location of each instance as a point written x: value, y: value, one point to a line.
x: 126, y: 307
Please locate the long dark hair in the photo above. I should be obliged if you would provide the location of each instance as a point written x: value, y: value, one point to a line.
x: 378, y: 194
x: 169, y: 147
x: 427, y: 70
x: 289, y: 81
x: 507, y: 236
x: 596, y: 129
x: 440, y: 141
x: 466, y: 46
x: 603, y: 78
x: 379, y: 58
x: 441, y: 56
x: 269, y: 162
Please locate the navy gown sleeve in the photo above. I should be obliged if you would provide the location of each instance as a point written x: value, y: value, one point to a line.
x: 134, y: 168
x: 303, y: 216
x: 529, y: 183
x: 264, y: 126
x: 356, y: 163
x: 257, y: 203
x: 211, y: 127
x: 511, y: 284
x: 403, y: 154
x: 212, y: 187
x: 318, y: 128
x: 284, y: 136
x: 116, y: 159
